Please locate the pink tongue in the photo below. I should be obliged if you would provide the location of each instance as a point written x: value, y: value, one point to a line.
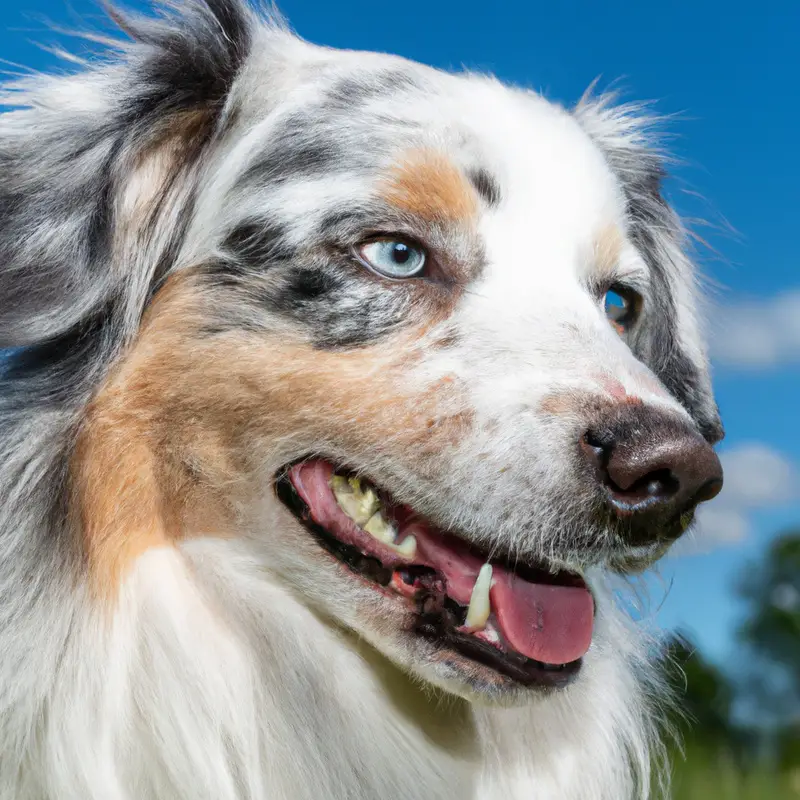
x: 548, y: 623
x: 545, y: 622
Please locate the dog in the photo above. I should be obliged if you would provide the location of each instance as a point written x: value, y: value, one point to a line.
x: 341, y: 392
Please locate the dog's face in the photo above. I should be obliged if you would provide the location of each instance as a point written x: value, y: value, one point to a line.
x: 428, y: 343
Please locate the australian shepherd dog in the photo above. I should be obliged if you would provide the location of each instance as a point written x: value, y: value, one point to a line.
x: 339, y: 391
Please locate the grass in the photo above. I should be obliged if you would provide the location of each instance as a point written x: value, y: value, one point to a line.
x: 713, y: 776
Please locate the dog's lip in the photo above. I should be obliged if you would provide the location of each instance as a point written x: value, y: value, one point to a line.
x: 548, y: 620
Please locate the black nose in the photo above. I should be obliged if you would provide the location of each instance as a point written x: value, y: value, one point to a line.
x: 652, y: 467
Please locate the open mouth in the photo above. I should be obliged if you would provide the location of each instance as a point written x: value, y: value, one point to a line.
x: 521, y: 620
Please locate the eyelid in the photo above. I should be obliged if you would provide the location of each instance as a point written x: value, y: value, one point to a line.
x: 356, y: 253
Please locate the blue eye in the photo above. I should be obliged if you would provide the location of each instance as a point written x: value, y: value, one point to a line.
x: 393, y: 258
x: 622, y: 307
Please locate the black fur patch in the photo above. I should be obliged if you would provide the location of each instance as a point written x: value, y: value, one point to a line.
x: 486, y: 186
x: 339, y: 311
x: 52, y: 372
x: 659, y: 347
x: 305, y: 144
x: 194, y: 59
x: 305, y: 286
x: 258, y: 244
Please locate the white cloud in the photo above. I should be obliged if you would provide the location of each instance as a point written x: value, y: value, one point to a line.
x: 758, y: 334
x: 716, y: 526
x: 756, y: 477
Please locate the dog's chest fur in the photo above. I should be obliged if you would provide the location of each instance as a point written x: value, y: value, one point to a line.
x: 194, y: 694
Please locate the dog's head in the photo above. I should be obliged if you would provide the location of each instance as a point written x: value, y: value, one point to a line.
x: 425, y: 342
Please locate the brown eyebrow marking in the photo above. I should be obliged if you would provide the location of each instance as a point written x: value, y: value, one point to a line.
x: 607, y: 251
x: 429, y: 185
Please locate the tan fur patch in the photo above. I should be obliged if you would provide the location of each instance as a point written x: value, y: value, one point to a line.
x: 607, y: 251
x: 170, y: 442
x: 574, y: 402
x: 150, y: 183
x: 429, y: 185
x: 583, y: 404
x: 560, y: 403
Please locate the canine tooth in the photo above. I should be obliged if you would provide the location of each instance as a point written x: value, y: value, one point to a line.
x: 479, y: 605
x: 359, y: 503
x: 378, y: 527
x: 408, y: 548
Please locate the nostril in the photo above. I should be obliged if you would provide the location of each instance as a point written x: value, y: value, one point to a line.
x: 645, y: 467
x: 598, y: 448
x: 709, y: 490
x: 657, y: 486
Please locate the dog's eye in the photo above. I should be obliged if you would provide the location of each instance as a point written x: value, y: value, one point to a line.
x: 622, y: 306
x: 394, y: 258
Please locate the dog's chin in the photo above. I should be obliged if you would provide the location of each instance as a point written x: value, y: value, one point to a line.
x: 477, y: 626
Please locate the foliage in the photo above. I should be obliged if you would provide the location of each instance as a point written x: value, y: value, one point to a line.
x: 704, y: 693
x: 725, y: 759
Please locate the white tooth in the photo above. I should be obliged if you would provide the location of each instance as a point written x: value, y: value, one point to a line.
x: 408, y: 548
x: 378, y: 527
x: 479, y: 605
x: 491, y: 634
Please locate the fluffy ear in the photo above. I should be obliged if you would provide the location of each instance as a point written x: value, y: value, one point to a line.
x: 671, y: 343
x: 91, y: 164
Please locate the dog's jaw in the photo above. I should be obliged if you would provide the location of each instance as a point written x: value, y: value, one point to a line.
x: 473, y: 615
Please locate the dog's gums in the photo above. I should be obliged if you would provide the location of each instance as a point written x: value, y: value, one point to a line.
x: 522, y: 621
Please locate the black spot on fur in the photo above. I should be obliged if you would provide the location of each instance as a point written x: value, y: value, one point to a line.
x: 338, y: 310
x: 258, y: 244
x: 486, y: 186
x: 304, y: 145
x: 304, y: 286
x: 657, y: 345
x: 289, y: 160
x: 348, y: 224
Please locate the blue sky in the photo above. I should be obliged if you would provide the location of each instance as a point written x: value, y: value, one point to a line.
x: 731, y: 77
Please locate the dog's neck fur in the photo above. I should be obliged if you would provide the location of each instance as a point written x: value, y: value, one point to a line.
x: 198, y: 689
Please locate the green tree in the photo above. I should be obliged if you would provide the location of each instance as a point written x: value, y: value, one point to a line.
x: 771, y: 632
x: 703, y: 694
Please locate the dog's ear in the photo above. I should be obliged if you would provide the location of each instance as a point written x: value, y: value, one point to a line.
x: 670, y: 342
x: 91, y: 163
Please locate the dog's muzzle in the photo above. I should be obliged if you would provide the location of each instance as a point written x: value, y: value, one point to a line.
x: 651, y: 470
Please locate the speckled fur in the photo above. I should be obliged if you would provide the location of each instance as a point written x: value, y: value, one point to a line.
x: 175, y: 226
